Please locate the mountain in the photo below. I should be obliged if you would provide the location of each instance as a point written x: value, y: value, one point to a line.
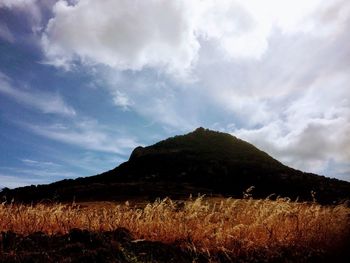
x: 203, y: 161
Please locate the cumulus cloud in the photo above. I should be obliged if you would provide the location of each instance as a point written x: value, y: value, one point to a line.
x: 122, y: 34
x: 43, y: 101
x: 167, y: 35
x: 311, y: 131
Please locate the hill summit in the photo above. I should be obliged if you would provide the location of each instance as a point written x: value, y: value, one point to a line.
x: 202, y: 161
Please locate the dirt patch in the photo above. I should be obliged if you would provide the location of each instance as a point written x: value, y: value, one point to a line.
x: 84, y: 246
x: 120, y: 246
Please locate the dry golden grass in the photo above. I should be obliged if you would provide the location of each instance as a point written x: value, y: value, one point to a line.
x: 207, y: 225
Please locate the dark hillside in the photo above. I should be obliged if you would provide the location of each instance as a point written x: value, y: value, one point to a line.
x: 203, y: 161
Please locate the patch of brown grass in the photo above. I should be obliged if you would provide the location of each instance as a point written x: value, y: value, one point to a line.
x: 229, y: 225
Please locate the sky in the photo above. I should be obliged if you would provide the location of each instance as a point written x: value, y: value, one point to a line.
x: 83, y: 82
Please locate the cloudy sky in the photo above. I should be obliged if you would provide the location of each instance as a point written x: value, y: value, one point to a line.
x: 83, y: 82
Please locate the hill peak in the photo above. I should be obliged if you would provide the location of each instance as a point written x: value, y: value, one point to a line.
x: 201, y: 130
x: 206, y: 145
x: 204, y: 131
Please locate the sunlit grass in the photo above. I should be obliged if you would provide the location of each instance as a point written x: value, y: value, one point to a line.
x: 207, y: 225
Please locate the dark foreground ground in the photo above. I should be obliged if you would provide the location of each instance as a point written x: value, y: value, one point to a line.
x: 119, y: 246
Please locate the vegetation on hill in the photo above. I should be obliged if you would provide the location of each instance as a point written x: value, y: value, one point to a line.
x: 202, y: 161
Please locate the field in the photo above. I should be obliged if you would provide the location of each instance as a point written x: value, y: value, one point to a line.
x: 196, y: 230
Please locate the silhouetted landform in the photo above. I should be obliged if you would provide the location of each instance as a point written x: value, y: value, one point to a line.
x: 203, y: 161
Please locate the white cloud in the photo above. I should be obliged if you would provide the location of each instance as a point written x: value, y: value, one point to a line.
x: 309, y: 149
x: 155, y: 97
x: 39, y: 163
x: 167, y: 35
x: 312, y: 130
x: 122, y: 100
x: 87, y: 134
x: 43, y: 101
x: 17, y: 3
x: 122, y: 34
x: 17, y: 177
x: 242, y: 28
x: 17, y: 181
x: 93, y: 162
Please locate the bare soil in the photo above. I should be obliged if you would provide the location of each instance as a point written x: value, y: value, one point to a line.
x: 120, y: 246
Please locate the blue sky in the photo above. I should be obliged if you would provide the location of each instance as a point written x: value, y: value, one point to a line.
x: 84, y: 82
